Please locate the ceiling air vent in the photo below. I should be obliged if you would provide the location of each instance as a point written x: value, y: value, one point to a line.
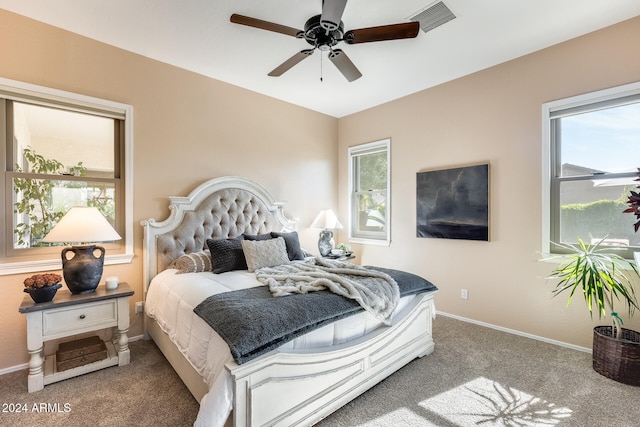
x: 433, y: 16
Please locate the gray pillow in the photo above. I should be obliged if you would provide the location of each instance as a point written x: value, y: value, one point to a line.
x: 264, y: 253
x: 291, y: 240
x: 226, y: 254
x: 265, y: 236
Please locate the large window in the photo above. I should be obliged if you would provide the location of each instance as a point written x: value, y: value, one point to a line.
x: 60, y: 150
x: 592, y: 155
x: 370, y: 218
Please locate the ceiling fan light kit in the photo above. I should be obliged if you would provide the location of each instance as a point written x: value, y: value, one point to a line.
x: 326, y: 30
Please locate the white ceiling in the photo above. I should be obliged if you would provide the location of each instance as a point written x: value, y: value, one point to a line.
x: 197, y: 35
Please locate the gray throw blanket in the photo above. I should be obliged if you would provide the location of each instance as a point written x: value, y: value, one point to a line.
x: 374, y: 290
x: 253, y: 322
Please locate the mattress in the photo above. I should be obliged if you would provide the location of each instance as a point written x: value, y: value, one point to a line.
x: 170, y: 301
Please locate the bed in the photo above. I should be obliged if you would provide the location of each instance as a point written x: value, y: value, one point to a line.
x: 296, y: 383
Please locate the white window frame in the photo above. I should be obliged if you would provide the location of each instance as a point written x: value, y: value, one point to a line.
x: 20, y: 91
x: 379, y: 238
x: 548, y: 110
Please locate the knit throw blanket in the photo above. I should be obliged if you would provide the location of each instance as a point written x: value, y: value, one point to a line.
x: 374, y: 290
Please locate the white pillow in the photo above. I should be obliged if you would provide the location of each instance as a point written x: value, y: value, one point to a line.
x: 265, y: 253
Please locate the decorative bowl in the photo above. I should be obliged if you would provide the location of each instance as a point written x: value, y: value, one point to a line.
x: 44, y: 294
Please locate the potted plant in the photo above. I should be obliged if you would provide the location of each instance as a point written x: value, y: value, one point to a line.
x: 604, y: 278
x: 346, y: 249
x: 42, y: 287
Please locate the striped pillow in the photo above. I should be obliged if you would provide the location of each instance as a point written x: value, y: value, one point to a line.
x: 195, y: 262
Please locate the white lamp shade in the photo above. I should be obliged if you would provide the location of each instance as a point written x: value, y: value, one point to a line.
x: 326, y: 219
x: 82, y: 225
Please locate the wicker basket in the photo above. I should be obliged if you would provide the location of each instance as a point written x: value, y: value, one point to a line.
x: 618, y: 359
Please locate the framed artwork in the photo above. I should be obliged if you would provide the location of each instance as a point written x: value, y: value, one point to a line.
x: 453, y: 203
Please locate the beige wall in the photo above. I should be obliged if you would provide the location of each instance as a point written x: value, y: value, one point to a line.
x: 187, y: 129
x: 491, y: 116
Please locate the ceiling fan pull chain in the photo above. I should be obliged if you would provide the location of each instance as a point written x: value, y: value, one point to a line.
x: 321, y: 70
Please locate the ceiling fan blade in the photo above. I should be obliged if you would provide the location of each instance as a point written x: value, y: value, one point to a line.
x: 332, y: 11
x: 344, y: 65
x: 289, y: 63
x: 405, y: 30
x: 265, y: 25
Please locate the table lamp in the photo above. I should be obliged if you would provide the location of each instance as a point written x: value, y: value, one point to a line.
x: 326, y: 219
x: 82, y: 264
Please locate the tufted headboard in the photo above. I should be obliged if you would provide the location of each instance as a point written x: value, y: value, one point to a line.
x: 218, y: 208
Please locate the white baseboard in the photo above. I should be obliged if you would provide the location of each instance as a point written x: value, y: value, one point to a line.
x: 14, y: 368
x: 515, y: 332
x: 453, y: 316
x: 26, y: 365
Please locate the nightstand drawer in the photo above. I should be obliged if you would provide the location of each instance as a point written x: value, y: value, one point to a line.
x: 77, y: 319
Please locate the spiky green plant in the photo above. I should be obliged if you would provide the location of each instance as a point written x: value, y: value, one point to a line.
x: 602, y: 276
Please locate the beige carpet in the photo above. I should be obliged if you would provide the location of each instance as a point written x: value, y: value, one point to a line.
x: 475, y: 377
x: 147, y: 392
x: 482, y: 377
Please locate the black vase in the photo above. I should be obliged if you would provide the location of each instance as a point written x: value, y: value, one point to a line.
x: 44, y: 294
x: 83, y: 271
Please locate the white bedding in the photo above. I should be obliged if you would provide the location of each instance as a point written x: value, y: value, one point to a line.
x: 170, y: 301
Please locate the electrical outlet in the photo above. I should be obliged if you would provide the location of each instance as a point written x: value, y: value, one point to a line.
x: 464, y: 294
x: 139, y: 307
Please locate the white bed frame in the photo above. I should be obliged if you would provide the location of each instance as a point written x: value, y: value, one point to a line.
x: 290, y: 388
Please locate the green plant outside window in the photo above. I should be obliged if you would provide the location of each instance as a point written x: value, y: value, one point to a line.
x: 40, y: 203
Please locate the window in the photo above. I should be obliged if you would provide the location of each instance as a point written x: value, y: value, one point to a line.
x: 592, y: 155
x: 369, y: 174
x: 60, y: 150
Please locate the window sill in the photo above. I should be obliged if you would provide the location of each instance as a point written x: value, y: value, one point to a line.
x: 361, y: 241
x: 557, y: 258
x: 9, y: 268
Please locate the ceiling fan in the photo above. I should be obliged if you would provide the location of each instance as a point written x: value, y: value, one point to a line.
x: 326, y: 30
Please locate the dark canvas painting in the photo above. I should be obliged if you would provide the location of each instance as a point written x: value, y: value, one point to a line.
x: 453, y: 203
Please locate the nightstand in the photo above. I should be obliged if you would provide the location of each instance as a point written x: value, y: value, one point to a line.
x: 72, y: 314
x: 343, y: 257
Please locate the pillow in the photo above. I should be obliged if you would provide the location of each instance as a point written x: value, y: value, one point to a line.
x: 195, y: 262
x: 265, y: 253
x: 291, y: 240
x: 265, y: 236
x: 226, y: 254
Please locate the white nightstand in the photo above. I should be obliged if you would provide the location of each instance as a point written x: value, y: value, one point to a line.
x: 72, y: 314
